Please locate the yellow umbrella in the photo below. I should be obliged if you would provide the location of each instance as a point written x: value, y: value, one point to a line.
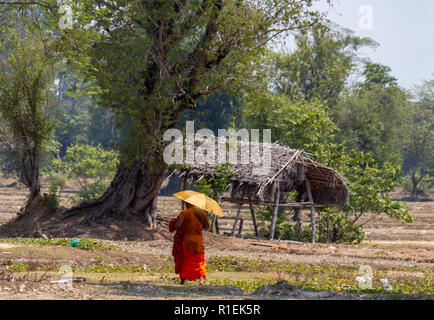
x: 201, y: 201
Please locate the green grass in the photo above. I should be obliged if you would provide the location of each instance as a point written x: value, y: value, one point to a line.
x: 326, y: 278
x: 249, y: 274
x: 86, y: 244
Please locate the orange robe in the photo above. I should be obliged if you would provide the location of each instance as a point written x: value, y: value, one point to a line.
x: 193, y: 261
x: 178, y: 249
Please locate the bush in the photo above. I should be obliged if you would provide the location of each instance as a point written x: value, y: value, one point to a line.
x: 338, y: 227
x: 91, y: 167
x: 289, y: 232
x: 52, y: 199
x: 91, y: 191
x: 56, y: 179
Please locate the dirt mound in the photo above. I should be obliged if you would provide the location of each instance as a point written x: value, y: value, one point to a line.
x: 281, y: 288
x: 285, y: 290
x: 130, y: 288
x: 42, y: 224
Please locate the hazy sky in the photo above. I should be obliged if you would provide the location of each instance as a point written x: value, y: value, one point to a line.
x: 403, y: 28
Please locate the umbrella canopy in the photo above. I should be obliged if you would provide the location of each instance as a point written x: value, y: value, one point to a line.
x: 201, y: 201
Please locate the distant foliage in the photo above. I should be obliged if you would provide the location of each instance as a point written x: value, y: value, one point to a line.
x: 419, y: 149
x: 214, y: 187
x: 91, y: 167
x: 52, y: 199
x: 320, y: 65
x: 369, y: 184
x: 27, y: 69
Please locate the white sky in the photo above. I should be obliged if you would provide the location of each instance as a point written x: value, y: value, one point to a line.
x: 403, y: 28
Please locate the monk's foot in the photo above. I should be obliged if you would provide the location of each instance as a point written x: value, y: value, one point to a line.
x: 182, y: 281
x: 201, y: 281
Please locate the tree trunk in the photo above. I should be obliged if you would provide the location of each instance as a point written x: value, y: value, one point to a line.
x: 30, y: 172
x: 415, y: 182
x: 133, y: 192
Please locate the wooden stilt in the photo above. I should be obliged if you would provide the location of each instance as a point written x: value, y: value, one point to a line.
x: 217, y: 228
x: 255, y: 226
x: 211, y: 226
x: 312, y: 210
x: 275, y: 211
x: 236, y: 220
x: 216, y: 219
x: 184, y: 183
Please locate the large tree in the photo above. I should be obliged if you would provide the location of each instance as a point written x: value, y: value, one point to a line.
x: 153, y: 59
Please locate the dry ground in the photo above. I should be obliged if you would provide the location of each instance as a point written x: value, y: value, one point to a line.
x: 142, y: 268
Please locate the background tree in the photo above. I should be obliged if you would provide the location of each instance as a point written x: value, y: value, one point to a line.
x: 81, y: 119
x: 320, y: 65
x: 419, y: 150
x: 26, y: 104
x: 378, y: 74
x: 372, y: 117
x: 219, y: 110
x: 91, y: 167
x: 370, y: 184
x: 299, y: 124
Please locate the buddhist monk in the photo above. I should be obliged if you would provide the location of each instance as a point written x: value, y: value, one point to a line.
x: 188, y: 248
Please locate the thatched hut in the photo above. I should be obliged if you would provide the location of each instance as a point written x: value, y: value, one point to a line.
x: 265, y: 183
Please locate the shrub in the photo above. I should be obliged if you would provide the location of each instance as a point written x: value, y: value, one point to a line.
x: 91, y: 167
x: 52, y: 199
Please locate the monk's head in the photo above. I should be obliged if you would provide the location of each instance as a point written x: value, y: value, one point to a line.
x: 188, y: 205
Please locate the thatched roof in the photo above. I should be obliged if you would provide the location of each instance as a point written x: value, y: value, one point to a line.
x: 288, y: 167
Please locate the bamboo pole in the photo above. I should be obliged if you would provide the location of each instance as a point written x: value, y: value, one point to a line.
x: 312, y: 210
x: 275, y: 211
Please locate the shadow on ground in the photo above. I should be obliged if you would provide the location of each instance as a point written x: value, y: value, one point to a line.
x: 282, y: 290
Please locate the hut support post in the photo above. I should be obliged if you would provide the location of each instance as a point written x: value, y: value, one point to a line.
x: 211, y: 226
x: 216, y: 223
x: 236, y: 219
x: 216, y: 218
x: 240, y: 229
x: 252, y: 211
x: 312, y: 210
x: 275, y: 211
x: 184, y: 183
